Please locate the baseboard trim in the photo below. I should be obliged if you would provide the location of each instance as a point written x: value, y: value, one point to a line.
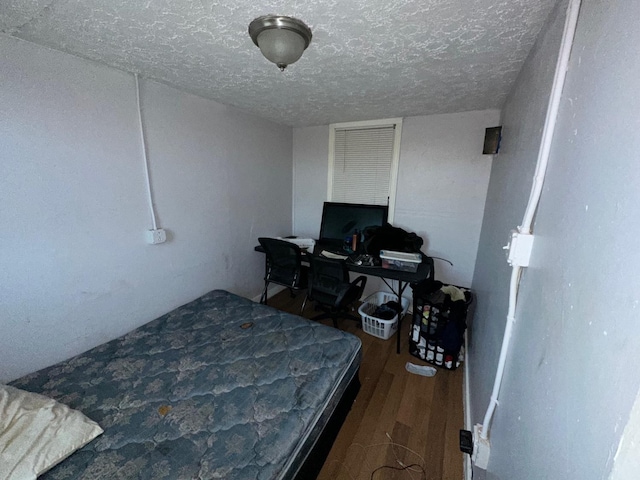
x: 466, y: 402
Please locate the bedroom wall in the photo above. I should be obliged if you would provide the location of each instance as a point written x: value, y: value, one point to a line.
x: 442, y: 184
x: 571, y: 377
x: 75, y: 270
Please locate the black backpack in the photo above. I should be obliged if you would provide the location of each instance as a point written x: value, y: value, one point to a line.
x: 388, y: 237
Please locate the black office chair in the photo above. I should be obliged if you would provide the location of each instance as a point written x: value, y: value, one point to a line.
x: 331, y: 290
x: 283, y: 266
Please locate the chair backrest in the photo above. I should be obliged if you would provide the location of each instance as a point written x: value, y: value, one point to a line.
x: 329, y: 280
x: 283, y: 261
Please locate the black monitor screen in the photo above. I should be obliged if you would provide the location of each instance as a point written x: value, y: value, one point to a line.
x: 341, y: 220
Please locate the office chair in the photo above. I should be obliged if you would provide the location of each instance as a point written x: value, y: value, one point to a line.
x: 331, y: 290
x: 283, y: 266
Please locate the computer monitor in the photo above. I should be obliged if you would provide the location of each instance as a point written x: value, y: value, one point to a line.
x: 341, y: 220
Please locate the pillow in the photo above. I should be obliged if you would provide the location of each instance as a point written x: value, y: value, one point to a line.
x: 37, y: 433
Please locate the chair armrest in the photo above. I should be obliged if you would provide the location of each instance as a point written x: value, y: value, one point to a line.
x: 351, y: 291
x: 361, y: 282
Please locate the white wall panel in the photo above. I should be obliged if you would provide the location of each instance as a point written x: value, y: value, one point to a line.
x: 571, y: 376
x: 442, y: 183
x: 75, y: 270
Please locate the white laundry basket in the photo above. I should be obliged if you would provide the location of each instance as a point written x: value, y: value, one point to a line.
x: 379, y: 327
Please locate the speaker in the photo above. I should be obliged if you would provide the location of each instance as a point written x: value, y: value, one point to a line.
x: 492, y: 137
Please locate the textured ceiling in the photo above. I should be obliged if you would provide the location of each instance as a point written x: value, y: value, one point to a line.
x: 367, y: 59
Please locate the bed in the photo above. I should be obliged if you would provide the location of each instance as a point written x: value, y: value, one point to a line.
x: 221, y: 387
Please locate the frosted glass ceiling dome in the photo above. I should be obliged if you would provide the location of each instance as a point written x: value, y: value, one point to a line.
x: 282, y: 40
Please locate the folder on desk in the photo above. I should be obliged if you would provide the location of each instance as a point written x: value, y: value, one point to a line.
x: 334, y: 256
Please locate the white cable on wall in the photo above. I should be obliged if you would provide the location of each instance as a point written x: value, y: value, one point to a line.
x: 146, y: 158
x: 511, y: 320
x: 534, y: 198
x: 560, y: 75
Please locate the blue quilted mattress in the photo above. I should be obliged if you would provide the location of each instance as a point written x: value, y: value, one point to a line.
x: 221, y: 387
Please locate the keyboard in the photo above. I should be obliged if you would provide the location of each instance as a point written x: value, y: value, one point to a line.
x: 304, y: 243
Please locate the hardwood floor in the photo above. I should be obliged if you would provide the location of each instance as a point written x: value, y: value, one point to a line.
x: 397, y: 416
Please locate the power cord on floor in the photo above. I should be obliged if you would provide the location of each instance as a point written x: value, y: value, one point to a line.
x: 405, y: 468
x: 399, y: 462
x: 414, y: 467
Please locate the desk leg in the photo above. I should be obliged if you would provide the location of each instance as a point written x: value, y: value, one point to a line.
x: 398, y: 332
x: 401, y: 288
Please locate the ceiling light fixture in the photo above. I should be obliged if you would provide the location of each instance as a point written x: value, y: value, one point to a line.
x: 280, y: 39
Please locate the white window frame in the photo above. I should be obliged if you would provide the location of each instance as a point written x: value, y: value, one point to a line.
x: 395, y: 161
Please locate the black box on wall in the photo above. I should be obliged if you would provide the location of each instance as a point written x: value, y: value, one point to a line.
x: 492, y: 137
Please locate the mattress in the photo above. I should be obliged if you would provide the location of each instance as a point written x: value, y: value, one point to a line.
x: 221, y: 387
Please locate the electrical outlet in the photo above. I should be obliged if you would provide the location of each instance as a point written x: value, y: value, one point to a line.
x: 156, y: 236
x: 519, y: 248
x: 481, y: 448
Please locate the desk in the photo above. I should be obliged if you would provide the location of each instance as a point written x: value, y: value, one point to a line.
x: 404, y: 279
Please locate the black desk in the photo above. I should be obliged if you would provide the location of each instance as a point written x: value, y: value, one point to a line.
x: 404, y: 279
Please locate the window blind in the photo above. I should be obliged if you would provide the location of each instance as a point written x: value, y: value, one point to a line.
x: 362, y: 165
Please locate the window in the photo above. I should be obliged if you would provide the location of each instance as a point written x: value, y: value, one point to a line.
x: 363, y: 162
